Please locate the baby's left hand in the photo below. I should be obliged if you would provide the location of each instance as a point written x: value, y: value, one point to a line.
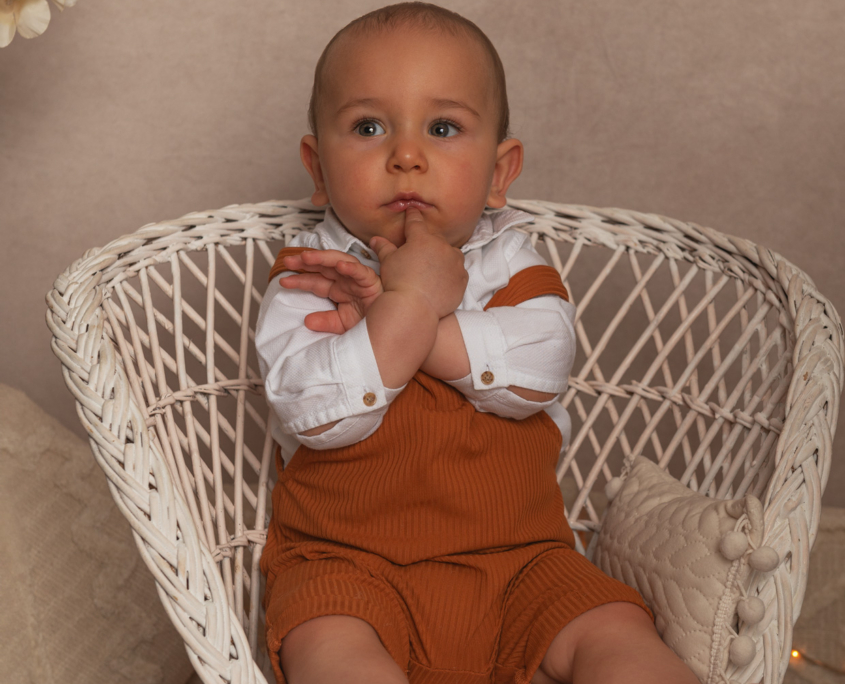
x: 337, y: 276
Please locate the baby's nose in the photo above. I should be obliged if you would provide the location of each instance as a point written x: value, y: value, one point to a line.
x: 408, y: 155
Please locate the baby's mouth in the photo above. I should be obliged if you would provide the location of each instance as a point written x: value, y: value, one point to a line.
x: 403, y: 204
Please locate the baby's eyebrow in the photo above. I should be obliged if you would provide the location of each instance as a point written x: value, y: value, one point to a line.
x: 454, y: 104
x: 437, y: 102
x: 360, y: 102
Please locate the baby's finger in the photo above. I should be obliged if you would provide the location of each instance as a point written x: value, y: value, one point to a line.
x: 382, y: 247
x: 293, y: 263
x: 327, y: 272
x: 363, y: 275
x: 313, y: 260
x: 324, y: 321
x: 414, y: 222
x: 308, y: 282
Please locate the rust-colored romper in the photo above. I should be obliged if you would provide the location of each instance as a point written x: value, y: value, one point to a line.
x: 444, y: 530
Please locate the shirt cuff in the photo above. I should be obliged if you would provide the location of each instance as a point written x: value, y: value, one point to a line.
x: 351, y: 430
x: 360, y: 390
x: 500, y: 401
x: 356, y: 364
x: 486, y: 346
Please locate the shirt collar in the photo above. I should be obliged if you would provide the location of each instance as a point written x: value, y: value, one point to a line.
x: 333, y: 235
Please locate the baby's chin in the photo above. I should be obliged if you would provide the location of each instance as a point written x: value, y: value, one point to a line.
x: 392, y: 228
x: 392, y: 231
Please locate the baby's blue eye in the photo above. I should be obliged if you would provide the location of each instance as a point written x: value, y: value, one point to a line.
x: 440, y: 129
x: 369, y: 128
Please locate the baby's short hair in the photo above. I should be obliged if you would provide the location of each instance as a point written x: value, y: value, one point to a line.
x: 422, y: 15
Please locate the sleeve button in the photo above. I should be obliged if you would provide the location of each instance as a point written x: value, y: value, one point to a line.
x: 369, y: 398
x: 487, y: 377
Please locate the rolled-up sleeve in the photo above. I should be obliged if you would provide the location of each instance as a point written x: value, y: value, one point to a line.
x: 312, y: 378
x: 531, y: 345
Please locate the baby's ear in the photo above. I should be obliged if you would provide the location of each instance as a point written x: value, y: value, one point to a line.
x: 310, y: 156
x: 508, y: 167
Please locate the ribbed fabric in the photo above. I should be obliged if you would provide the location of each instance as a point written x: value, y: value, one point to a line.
x: 437, y: 478
x: 444, y: 530
x: 474, y: 618
x: 279, y: 266
x: 525, y: 285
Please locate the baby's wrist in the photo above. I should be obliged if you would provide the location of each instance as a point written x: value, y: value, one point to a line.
x: 368, y: 300
x: 415, y: 299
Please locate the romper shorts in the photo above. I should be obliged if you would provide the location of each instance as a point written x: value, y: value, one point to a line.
x: 476, y: 618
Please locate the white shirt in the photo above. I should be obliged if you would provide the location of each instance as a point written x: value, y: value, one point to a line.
x: 313, y: 378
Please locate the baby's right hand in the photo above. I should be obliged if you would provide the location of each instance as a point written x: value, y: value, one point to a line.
x: 426, y: 264
x: 351, y: 285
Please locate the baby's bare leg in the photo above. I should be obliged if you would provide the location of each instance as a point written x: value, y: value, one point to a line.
x: 616, y: 642
x: 337, y: 648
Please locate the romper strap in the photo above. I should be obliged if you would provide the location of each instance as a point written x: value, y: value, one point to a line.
x: 529, y: 283
x: 279, y: 266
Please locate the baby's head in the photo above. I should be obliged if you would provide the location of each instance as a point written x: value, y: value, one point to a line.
x: 410, y: 100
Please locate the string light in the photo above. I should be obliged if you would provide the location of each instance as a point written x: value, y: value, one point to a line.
x: 797, y: 656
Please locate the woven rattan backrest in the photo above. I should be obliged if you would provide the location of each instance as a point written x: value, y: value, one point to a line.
x: 688, y: 344
x: 682, y: 360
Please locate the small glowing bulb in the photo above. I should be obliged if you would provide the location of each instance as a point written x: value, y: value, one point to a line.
x: 795, y: 654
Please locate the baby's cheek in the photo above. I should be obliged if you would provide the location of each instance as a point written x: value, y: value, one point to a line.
x: 474, y: 181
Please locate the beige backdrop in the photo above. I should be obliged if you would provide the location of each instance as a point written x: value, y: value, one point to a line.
x: 722, y: 113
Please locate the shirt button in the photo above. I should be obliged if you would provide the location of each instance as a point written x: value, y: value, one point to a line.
x: 369, y: 398
x: 487, y: 377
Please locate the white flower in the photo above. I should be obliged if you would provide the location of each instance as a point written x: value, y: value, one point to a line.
x: 28, y: 17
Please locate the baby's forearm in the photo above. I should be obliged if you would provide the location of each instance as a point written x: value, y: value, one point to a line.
x: 403, y: 328
x: 448, y: 359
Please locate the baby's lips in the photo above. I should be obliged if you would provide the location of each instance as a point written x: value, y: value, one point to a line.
x: 405, y: 204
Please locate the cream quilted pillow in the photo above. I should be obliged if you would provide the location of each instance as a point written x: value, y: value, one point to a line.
x: 79, y: 605
x: 691, y: 558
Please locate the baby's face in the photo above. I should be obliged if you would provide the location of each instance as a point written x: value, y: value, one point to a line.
x: 409, y: 112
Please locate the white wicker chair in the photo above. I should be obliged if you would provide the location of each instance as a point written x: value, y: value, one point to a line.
x: 719, y: 360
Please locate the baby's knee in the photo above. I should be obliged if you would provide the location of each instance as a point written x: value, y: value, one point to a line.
x: 331, y: 646
x: 621, y: 614
x: 316, y: 633
x: 591, y: 634
x: 615, y: 623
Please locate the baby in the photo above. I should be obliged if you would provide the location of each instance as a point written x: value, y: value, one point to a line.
x: 413, y: 347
